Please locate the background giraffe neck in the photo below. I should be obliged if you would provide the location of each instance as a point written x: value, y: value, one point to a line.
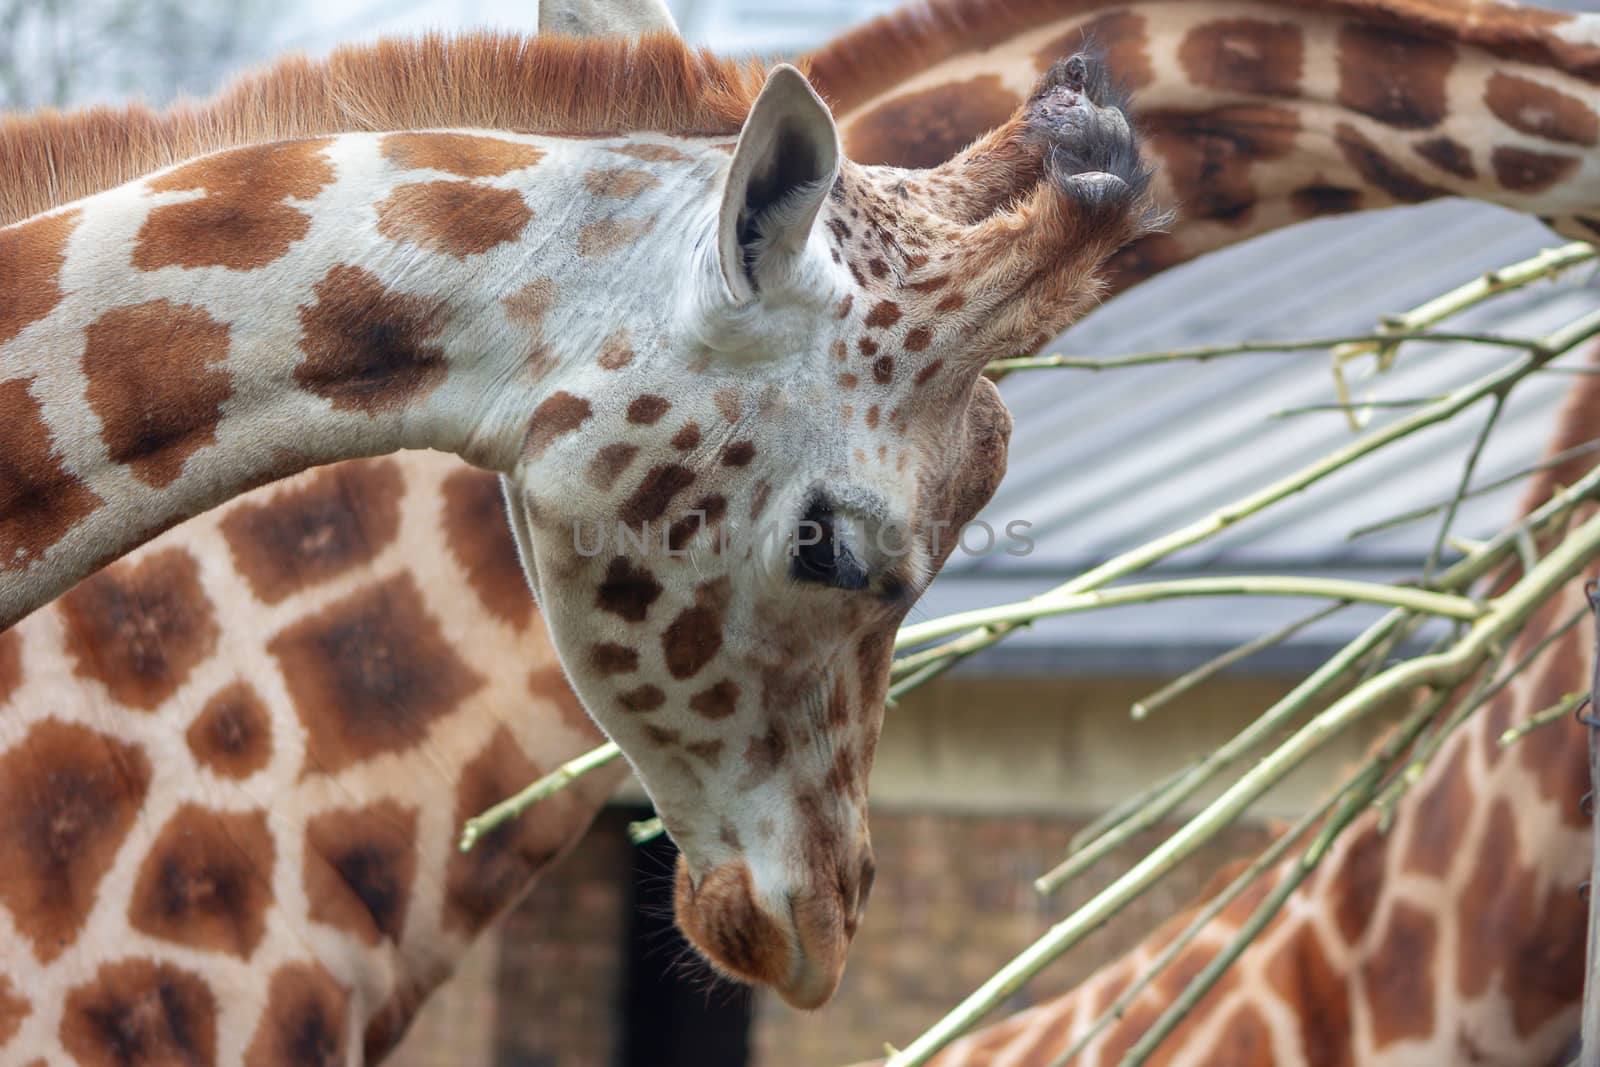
x: 320, y: 790
x: 1263, y: 113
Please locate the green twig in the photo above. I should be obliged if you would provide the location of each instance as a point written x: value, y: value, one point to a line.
x: 1267, y: 724
x: 644, y: 831
x: 1202, y: 353
x: 1554, y: 713
x: 1352, y: 799
x: 1119, y: 566
x: 1212, y: 667
x: 1438, y: 671
x: 558, y: 779
x: 1339, y: 589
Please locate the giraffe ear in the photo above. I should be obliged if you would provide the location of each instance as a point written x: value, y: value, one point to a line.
x: 601, y: 18
x: 785, y: 163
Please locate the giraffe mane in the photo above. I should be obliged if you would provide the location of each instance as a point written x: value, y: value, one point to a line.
x: 892, y: 48
x: 501, y: 81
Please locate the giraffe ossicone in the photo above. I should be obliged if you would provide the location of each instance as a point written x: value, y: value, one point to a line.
x: 641, y: 329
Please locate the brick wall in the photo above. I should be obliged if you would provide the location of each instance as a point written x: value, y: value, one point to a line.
x: 953, y: 901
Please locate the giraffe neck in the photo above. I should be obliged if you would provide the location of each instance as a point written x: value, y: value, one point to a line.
x: 266, y: 309
x: 1263, y: 113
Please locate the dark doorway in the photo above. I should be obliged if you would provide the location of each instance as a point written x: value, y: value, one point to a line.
x: 675, y: 1013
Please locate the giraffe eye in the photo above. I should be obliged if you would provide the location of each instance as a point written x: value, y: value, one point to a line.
x: 820, y: 556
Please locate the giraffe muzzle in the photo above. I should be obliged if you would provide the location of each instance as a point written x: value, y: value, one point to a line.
x: 797, y: 948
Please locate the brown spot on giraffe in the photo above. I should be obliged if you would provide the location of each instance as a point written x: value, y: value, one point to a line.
x: 616, y: 351
x: 763, y: 755
x: 717, y: 702
x: 738, y: 454
x: 923, y: 129
x: 306, y: 1023
x: 1119, y: 36
x: 884, y: 313
x: 136, y: 1012
x: 10, y: 664
x: 153, y: 381
x: 693, y: 639
x: 1547, y: 753
x: 1524, y: 171
x: 388, y: 1024
x: 14, y: 1008
x: 242, y: 223
x: 687, y: 438
x: 232, y: 735
x: 1356, y: 882
x: 140, y: 628
x: 1244, y: 1040
x: 556, y: 416
x: 457, y: 219
x: 883, y: 369
x: 369, y: 674
x: 641, y: 699
x: 729, y: 403
x: 475, y: 530
x: 602, y: 238
x: 1244, y: 55
x: 627, y: 591
x: 1526, y: 105
x: 654, y: 493
x: 1449, y: 155
x: 68, y: 797
x: 206, y: 882
x: 650, y: 153
x: 608, y: 659
x: 479, y: 884
x: 465, y: 155
x: 366, y: 348
x: 1439, y: 817
x: 619, y: 183
x: 1494, y: 912
x: 359, y: 868
x: 31, y: 257
x: 1211, y: 154
x: 1368, y: 161
x: 1314, y: 201
x: 609, y: 463
x: 1395, y: 77
x: 530, y: 304
x: 1300, y: 973
x: 647, y: 410
x: 325, y: 525
x: 1398, y: 976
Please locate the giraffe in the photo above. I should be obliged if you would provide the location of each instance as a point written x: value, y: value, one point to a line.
x: 1477, y: 133
x: 1258, y: 113
x: 376, y: 359
x: 1458, y: 936
x: 1179, y: 136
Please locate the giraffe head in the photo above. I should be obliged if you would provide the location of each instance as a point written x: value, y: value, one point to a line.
x: 778, y: 444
